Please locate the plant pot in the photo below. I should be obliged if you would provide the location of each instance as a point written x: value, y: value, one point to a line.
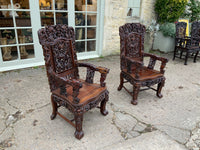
x: 163, y: 43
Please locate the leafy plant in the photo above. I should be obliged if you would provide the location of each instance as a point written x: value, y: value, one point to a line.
x: 169, y: 10
x: 193, y: 10
x: 168, y: 29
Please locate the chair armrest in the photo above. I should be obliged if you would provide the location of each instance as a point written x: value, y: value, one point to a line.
x: 153, y: 59
x: 138, y: 65
x: 91, y: 70
x: 62, y: 82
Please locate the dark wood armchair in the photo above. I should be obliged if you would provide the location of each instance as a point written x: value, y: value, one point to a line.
x: 68, y: 90
x: 132, y: 66
x: 187, y: 45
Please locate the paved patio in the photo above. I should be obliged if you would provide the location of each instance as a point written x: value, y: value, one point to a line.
x: 170, y: 123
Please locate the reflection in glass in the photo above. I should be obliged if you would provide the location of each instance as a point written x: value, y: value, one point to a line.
x: 61, y: 4
x: 80, y: 5
x: 5, y: 19
x: 23, y: 4
x: 27, y: 51
x: 79, y: 19
x: 27, y: 34
x: 9, y: 53
x: 61, y: 18
x: 46, y: 4
x: 91, y: 19
x: 91, y: 5
x: 80, y: 46
x: 91, y: 45
x: 91, y: 33
x: 47, y: 18
x: 80, y: 33
x: 7, y: 37
x: 23, y: 19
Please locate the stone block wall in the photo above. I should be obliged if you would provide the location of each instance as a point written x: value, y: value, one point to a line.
x: 115, y: 16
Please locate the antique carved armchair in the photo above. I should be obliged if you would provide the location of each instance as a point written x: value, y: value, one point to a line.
x: 68, y: 90
x: 132, y: 66
x: 189, y: 45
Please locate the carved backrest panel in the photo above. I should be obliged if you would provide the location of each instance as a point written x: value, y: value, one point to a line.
x: 195, y: 33
x: 124, y: 32
x: 60, y: 58
x: 181, y: 29
x: 133, y: 45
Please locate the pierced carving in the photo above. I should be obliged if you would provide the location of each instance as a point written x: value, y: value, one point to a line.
x: 58, y: 43
x: 132, y: 67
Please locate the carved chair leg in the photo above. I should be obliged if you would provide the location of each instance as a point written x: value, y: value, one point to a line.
x: 78, y: 122
x: 103, y: 105
x: 55, y: 108
x: 136, y: 89
x: 181, y: 53
x: 159, y: 88
x: 186, y: 58
x: 175, y: 51
x: 195, y: 57
x: 121, y: 82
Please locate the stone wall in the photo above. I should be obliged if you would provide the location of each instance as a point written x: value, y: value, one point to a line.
x: 115, y: 16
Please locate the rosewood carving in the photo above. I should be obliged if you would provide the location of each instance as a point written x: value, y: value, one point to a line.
x: 187, y: 45
x: 131, y: 62
x: 68, y: 90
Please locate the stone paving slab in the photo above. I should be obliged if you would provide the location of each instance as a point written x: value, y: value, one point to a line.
x: 25, y: 112
x: 148, y: 141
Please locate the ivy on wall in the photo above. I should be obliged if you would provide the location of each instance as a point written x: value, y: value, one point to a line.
x: 169, y: 10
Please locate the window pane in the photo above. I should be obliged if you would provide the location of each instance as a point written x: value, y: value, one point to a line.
x: 80, y: 33
x: 61, y: 18
x: 91, y: 5
x: 136, y: 12
x: 46, y: 4
x: 91, y: 33
x: 61, y: 5
x: 133, y: 3
x: 80, y: 5
x: 27, y: 51
x: 23, y: 4
x: 22, y: 19
x: 91, y: 19
x: 9, y: 53
x: 5, y: 19
x: 4, y: 4
x: 91, y: 45
x: 7, y: 37
x: 47, y: 18
x: 25, y: 36
x: 80, y: 46
x: 79, y: 19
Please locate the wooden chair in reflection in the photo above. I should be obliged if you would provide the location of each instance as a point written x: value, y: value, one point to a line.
x: 132, y: 67
x: 188, y: 45
x: 68, y: 90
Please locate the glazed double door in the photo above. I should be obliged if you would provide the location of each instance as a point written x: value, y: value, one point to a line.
x: 21, y: 19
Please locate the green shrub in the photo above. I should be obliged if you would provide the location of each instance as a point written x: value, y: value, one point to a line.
x: 169, y: 10
x: 193, y: 10
x: 168, y: 29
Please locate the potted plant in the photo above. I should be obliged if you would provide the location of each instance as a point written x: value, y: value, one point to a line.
x: 168, y: 11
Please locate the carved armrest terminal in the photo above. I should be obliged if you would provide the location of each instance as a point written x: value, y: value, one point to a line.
x: 91, y: 70
x: 153, y: 59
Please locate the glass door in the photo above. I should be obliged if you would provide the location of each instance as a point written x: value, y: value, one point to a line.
x: 16, y: 40
x: 86, y: 25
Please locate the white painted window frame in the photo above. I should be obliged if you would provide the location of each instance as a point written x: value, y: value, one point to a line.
x: 35, y: 17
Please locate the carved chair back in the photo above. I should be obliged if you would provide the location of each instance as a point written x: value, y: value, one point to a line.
x: 60, y: 57
x: 195, y: 33
x: 181, y: 29
x: 131, y: 45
